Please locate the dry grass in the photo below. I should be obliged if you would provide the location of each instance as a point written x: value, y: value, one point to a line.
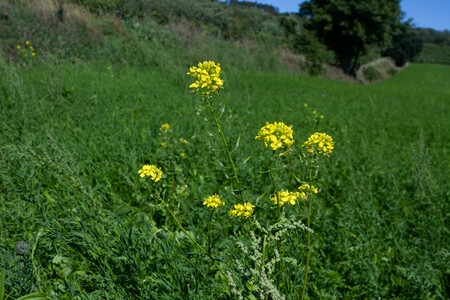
x: 45, y: 6
x: 383, y: 65
x: 336, y: 73
x: 292, y: 60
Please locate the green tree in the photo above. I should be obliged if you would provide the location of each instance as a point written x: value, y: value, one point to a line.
x: 348, y: 27
x: 406, y: 44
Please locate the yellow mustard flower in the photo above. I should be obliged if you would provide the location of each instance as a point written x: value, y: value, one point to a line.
x: 152, y: 171
x: 213, y: 202
x: 207, y: 78
x: 182, y: 155
x: 27, y: 43
x: 109, y: 68
x: 319, y: 143
x: 183, y: 141
x: 33, y: 54
x: 18, y: 46
x: 285, y: 197
x: 317, y: 115
x: 276, y: 135
x: 244, y: 210
x: 308, y: 188
x: 165, y: 127
x: 164, y: 144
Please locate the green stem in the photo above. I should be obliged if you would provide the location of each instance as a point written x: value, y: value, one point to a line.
x: 209, y: 237
x: 275, y: 192
x: 275, y: 188
x: 230, y: 159
x: 264, y: 250
x: 189, y: 236
x: 309, y: 233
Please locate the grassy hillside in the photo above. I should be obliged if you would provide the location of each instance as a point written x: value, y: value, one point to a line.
x: 433, y: 53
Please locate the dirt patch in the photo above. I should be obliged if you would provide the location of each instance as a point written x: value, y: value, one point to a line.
x: 335, y: 73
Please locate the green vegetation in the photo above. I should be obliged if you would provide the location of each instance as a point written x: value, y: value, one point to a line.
x: 436, y: 47
x: 85, y: 114
x: 349, y: 28
x: 437, y: 54
x: 371, y: 73
x: 431, y: 36
x: 405, y: 44
x: 74, y: 137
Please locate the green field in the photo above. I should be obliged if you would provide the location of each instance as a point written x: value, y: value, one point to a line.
x: 73, y: 137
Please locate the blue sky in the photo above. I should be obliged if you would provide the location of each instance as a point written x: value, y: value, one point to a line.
x: 425, y: 13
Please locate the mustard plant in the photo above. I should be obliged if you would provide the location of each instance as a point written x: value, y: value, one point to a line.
x: 313, y: 116
x: 26, y: 53
x: 258, y: 260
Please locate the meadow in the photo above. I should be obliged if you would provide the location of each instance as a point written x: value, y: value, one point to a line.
x: 78, y: 222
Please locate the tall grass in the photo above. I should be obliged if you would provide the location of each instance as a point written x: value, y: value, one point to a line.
x: 73, y: 138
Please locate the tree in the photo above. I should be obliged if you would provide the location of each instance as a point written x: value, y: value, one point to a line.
x: 406, y: 44
x: 315, y: 53
x: 348, y: 27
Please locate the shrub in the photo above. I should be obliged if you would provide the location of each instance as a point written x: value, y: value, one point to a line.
x: 315, y: 52
x: 392, y: 71
x: 371, y: 74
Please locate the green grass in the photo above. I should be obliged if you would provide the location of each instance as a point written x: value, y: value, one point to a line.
x: 73, y: 137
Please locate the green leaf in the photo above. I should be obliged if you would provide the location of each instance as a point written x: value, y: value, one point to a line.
x: 49, y: 198
x: 34, y: 296
x: 291, y: 261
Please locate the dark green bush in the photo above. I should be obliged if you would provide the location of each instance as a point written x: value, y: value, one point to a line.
x: 406, y: 44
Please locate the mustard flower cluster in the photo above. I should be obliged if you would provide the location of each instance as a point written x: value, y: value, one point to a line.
x: 314, y: 112
x: 319, y: 143
x: 207, y: 76
x: 283, y: 197
x: 165, y: 127
x: 152, y: 171
x: 310, y: 189
x: 27, y: 50
x: 276, y: 135
x: 213, y: 202
x: 317, y: 115
x: 183, y: 141
x: 245, y: 210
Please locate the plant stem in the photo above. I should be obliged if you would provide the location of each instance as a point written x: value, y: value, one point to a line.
x: 209, y: 237
x: 189, y: 236
x: 264, y: 251
x: 275, y: 188
x: 309, y: 233
x: 275, y: 192
x: 230, y: 159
